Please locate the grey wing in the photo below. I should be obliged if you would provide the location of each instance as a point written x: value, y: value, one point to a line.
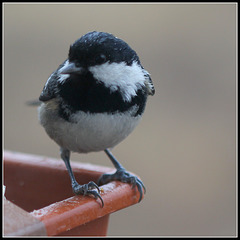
x: 148, y: 83
x: 49, y: 89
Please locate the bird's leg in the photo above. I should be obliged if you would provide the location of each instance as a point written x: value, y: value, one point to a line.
x: 85, y: 189
x: 121, y: 175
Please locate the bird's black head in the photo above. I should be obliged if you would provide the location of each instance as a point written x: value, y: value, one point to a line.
x: 102, y: 74
x: 95, y: 48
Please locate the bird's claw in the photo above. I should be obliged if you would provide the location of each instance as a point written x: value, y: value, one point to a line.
x: 88, y: 189
x: 123, y: 176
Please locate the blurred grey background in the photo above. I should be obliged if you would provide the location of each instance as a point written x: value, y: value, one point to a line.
x: 185, y: 146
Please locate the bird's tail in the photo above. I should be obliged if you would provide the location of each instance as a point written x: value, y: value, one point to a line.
x: 33, y: 103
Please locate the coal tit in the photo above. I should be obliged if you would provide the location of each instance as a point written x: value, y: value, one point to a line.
x: 93, y: 101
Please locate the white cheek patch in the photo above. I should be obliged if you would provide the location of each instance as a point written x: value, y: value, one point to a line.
x: 119, y: 76
x: 63, y: 77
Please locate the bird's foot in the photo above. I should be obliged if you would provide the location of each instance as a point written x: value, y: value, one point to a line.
x: 87, y: 189
x: 123, y: 176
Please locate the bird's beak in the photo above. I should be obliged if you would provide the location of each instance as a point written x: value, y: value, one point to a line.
x: 70, y: 67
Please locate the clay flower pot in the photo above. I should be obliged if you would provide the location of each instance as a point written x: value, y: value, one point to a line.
x: 41, y: 187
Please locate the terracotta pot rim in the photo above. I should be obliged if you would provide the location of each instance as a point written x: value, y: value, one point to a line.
x: 71, y: 212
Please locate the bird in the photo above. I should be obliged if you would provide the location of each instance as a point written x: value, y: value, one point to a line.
x: 93, y: 101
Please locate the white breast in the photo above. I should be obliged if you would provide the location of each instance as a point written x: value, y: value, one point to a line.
x: 88, y: 132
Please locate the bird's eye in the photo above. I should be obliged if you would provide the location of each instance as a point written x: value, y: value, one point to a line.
x: 77, y: 64
x: 99, y: 59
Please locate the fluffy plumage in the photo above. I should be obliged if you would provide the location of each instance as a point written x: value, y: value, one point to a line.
x: 95, y: 99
